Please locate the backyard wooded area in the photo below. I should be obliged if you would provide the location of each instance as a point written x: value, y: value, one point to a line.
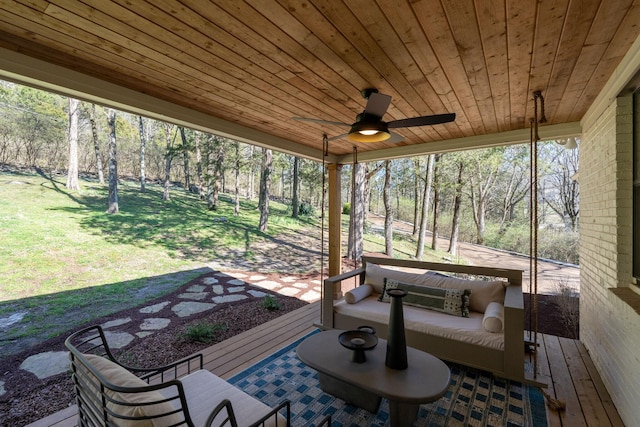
x: 477, y: 196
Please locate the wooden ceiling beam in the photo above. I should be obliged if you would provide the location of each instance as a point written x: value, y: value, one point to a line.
x: 32, y: 72
x: 520, y: 136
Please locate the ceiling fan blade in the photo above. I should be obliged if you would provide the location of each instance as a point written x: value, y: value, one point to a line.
x: 333, y: 138
x: 324, y: 122
x: 422, y: 121
x: 395, y: 138
x: 377, y: 104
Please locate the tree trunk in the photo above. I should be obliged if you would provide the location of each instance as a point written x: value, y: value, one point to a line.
x: 113, y: 164
x: 416, y: 196
x: 294, y: 198
x: 167, y: 161
x: 143, y: 146
x: 251, y: 184
x: 455, y: 223
x: 218, y: 158
x: 200, y: 184
x: 72, y: 173
x: 436, y: 196
x: 185, y: 158
x: 236, y: 207
x: 265, y: 183
x: 388, y: 217
x: 425, y: 206
x: 96, y: 143
x: 355, y: 246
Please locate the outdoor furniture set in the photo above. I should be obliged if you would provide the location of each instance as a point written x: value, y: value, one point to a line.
x: 485, y: 330
x: 475, y: 320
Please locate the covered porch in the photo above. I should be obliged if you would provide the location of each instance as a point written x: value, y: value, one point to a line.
x: 243, y: 69
x: 565, y: 365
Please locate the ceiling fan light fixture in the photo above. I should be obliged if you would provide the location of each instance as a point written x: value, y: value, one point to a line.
x: 369, y: 129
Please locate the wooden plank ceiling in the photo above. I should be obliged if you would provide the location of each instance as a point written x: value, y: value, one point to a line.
x: 258, y: 63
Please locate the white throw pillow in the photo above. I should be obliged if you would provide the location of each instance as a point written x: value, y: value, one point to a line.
x: 358, y: 294
x: 493, y: 320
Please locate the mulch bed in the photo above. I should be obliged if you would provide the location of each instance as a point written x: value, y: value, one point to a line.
x: 29, y: 399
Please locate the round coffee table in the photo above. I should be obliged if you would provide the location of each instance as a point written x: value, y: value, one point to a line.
x: 364, y: 384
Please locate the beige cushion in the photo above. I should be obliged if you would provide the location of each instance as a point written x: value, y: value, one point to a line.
x: 358, y: 294
x: 117, y: 375
x: 493, y: 320
x: 205, y: 390
x: 483, y: 292
x: 375, y: 275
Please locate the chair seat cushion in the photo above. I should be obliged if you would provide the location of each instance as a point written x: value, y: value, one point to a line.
x: 205, y: 390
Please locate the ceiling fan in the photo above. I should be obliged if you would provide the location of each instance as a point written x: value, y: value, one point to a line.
x: 369, y: 126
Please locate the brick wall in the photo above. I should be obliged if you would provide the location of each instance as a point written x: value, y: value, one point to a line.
x: 609, y: 327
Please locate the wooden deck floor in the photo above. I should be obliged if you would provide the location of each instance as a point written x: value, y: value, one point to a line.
x: 564, y: 364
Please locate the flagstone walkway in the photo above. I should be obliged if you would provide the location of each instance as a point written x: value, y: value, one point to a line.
x: 208, y: 291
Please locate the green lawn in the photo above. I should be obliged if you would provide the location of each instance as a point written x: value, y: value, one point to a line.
x: 65, y: 261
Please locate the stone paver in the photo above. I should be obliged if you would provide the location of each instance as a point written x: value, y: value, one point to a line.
x: 217, y: 289
x: 154, y: 308
x: 154, y: 324
x: 13, y: 318
x: 209, y: 280
x: 235, y: 282
x: 47, y: 364
x: 301, y: 285
x: 187, y: 308
x: 143, y: 334
x: 256, y: 277
x: 268, y: 284
x: 194, y: 295
x: 118, y: 339
x: 236, y: 289
x: 196, y: 288
x: 289, y: 291
x: 257, y: 294
x: 310, y: 296
x: 288, y: 279
x: 2, y: 389
x: 116, y: 322
x: 229, y: 298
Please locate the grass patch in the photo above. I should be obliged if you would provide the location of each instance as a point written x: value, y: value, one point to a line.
x: 204, y: 332
x: 269, y: 302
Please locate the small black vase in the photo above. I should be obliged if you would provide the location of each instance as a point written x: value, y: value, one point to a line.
x: 396, y: 341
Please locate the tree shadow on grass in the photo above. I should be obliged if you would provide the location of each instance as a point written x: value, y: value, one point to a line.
x: 43, y: 317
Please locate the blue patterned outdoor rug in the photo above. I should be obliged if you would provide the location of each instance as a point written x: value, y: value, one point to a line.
x: 475, y: 398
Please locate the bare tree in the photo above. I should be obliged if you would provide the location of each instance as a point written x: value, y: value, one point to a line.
x: 388, y: 210
x: 96, y: 143
x: 185, y: 157
x: 265, y: 184
x: 72, y: 173
x: 236, y: 208
x: 200, y: 183
x: 483, y: 171
x: 416, y: 196
x: 144, y: 138
x: 455, y: 223
x: 436, y: 198
x: 425, y: 206
x: 564, y: 192
x: 113, y: 163
x: 295, y: 203
x: 168, y: 158
x: 355, y: 246
x: 215, y: 158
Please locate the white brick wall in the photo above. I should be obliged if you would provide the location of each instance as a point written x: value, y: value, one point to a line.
x: 609, y: 328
